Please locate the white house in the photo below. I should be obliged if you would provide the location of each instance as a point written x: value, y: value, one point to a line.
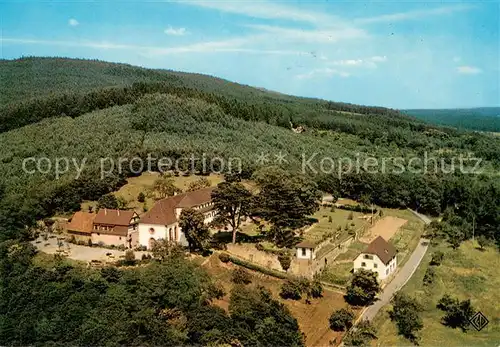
x: 162, y: 221
x: 306, y: 250
x: 379, y: 256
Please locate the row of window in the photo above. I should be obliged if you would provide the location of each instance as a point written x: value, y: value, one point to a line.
x: 375, y: 265
x: 103, y: 227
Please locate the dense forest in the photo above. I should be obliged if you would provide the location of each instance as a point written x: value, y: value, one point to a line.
x: 89, y: 110
x: 480, y: 119
x: 133, y: 112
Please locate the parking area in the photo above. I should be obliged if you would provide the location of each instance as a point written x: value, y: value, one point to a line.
x: 77, y: 252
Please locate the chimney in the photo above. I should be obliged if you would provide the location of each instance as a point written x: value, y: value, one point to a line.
x: 105, y: 212
x: 118, y: 212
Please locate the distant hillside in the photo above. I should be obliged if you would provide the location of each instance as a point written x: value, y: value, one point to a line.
x: 481, y: 118
x: 32, y: 89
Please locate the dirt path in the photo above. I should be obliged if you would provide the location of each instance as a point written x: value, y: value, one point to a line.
x: 386, y: 227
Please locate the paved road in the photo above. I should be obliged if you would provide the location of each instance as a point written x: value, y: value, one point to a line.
x: 403, y: 275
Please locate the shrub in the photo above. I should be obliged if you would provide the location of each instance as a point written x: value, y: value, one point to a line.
x: 224, y: 257
x: 285, y: 260
x: 316, y: 289
x: 291, y: 290
x: 258, y: 268
x: 141, y: 197
x: 330, y: 220
x: 241, y: 276
x: 429, y: 276
x: 350, y: 216
x: 259, y: 247
x: 341, y: 320
x: 89, y: 242
x: 129, y: 257
x: 437, y: 258
x: 339, y: 228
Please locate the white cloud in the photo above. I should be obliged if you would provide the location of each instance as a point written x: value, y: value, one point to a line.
x: 317, y: 36
x: 268, y: 10
x: 468, y: 70
x: 230, y: 45
x: 324, y: 72
x: 368, y: 62
x: 73, y: 22
x: 175, y: 32
x: 395, y: 17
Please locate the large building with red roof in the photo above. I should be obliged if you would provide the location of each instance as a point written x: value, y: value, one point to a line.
x: 162, y: 221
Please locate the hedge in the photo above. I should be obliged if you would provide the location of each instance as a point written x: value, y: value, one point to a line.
x: 258, y: 268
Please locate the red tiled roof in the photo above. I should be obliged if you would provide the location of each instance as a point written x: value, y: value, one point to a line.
x: 81, y: 222
x: 306, y: 244
x: 119, y: 230
x: 114, y: 217
x: 197, y: 197
x: 163, y: 212
x: 382, y: 249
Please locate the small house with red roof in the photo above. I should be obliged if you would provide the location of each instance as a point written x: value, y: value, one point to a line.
x: 379, y: 256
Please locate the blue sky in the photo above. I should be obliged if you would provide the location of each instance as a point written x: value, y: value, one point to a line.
x: 396, y: 54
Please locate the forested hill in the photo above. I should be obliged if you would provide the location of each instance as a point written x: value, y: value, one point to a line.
x: 75, y: 109
x: 481, y: 118
x: 35, y: 88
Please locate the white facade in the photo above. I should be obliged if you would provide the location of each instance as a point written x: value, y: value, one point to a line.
x: 150, y: 232
x: 372, y: 262
x: 153, y: 232
x: 306, y: 253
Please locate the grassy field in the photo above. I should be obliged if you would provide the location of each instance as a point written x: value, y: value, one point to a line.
x: 340, y: 219
x: 408, y: 236
x: 144, y: 183
x: 467, y: 273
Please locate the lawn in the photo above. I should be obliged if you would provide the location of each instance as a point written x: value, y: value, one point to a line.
x: 467, y: 273
x: 143, y: 183
x: 338, y: 274
x: 407, y: 237
x: 339, y: 220
x: 352, y: 251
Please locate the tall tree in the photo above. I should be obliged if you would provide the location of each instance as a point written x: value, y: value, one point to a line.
x: 285, y: 200
x: 108, y: 201
x: 192, y: 225
x: 200, y: 183
x: 231, y: 202
x: 363, y: 288
x: 406, y: 313
x: 267, y: 321
x: 164, y: 187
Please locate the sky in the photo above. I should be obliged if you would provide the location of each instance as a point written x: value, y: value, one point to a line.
x: 396, y: 54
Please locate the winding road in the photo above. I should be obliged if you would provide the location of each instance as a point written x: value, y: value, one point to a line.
x: 400, y: 279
